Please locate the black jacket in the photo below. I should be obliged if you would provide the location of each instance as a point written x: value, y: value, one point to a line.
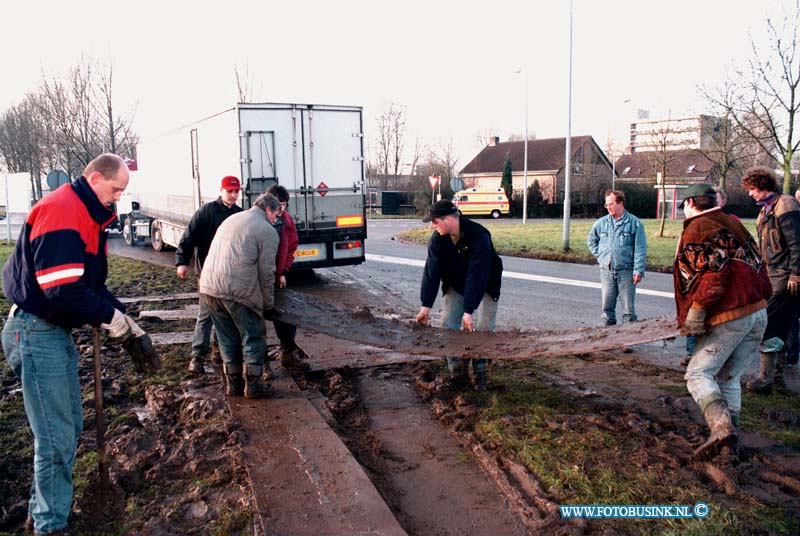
x: 471, y: 267
x: 201, y: 230
x: 779, y: 238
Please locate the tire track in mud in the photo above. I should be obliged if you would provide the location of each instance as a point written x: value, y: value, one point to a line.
x: 428, y: 480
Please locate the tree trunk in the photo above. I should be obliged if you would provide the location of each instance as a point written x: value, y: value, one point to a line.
x: 660, y: 232
x: 787, y: 172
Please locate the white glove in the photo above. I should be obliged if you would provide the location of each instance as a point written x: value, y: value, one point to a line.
x: 136, y: 331
x: 119, y: 327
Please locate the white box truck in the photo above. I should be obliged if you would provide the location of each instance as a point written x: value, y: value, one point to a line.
x: 314, y: 151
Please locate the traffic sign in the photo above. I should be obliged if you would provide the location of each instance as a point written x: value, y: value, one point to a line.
x: 434, y: 180
x: 456, y: 184
x: 56, y: 178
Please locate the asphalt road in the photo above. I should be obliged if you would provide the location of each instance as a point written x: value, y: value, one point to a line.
x: 535, y: 294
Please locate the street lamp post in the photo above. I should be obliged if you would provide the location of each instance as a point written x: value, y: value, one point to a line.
x: 568, y: 164
x: 525, y: 157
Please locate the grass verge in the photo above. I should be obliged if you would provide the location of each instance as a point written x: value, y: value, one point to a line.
x: 543, y: 240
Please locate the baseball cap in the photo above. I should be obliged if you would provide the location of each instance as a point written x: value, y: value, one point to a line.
x: 698, y: 190
x: 230, y: 183
x: 440, y: 209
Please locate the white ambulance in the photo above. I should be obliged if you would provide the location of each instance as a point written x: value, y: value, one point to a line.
x: 482, y: 202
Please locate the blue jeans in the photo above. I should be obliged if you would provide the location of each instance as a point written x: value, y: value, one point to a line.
x: 201, y: 339
x: 485, y: 318
x: 720, y: 358
x: 241, y: 333
x: 44, y: 356
x: 615, y: 283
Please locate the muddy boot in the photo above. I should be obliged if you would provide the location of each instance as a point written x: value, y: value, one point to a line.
x: 766, y: 375
x: 292, y: 358
x: 216, y: 357
x: 268, y: 375
x: 234, y: 384
x: 480, y: 369
x: 735, y: 420
x: 196, y: 365
x: 723, y: 433
x: 459, y: 374
x: 780, y: 365
x: 254, y: 386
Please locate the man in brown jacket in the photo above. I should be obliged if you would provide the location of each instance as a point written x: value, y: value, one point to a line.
x: 721, y: 291
x: 779, y: 240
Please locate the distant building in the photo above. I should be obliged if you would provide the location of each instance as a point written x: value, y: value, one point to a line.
x: 677, y: 134
x: 684, y: 167
x: 590, y: 177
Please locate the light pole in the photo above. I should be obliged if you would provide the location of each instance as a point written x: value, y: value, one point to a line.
x: 525, y: 157
x: 568, y: 164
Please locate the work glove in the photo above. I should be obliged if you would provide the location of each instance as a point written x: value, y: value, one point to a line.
x: 118, y: 328
x: 136, y: 342
x: 273, y: 313
x: 794, y: 285
x: 694, y: 323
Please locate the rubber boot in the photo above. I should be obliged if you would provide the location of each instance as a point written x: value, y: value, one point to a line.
x: 480, y: 374
x: 780, y: 365
x: 723, y: 433
x: 196, y: 365
x: 766, y: 375
x: 459, y: 374
x: 254, y: 386
x: 234, y: 384
x: 292, y: 358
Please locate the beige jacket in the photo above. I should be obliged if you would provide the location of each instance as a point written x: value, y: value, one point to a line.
x: 241, y: 261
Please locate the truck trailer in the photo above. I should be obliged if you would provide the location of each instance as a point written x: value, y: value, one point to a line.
x: 314, y: 151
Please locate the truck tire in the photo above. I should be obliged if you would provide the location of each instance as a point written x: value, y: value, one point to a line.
x: 495, y: 214
x: 127, y: 232
x: 155, y: 237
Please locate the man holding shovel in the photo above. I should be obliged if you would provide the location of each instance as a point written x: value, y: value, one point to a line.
x: 55, y: 280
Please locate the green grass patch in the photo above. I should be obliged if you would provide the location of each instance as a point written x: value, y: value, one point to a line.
x: 776, y: 415
x: 556, y: 437
x: 543, y: 240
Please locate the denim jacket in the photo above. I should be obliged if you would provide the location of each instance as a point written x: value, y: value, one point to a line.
x: 619, y: 244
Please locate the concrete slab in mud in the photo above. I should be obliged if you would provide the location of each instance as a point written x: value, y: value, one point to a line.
x: 305, y: 481
x: 165, y: 297
x: 176, y: 337
x: 189, y: 312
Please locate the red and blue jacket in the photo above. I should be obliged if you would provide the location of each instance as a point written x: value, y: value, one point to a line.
x: 59, y: 266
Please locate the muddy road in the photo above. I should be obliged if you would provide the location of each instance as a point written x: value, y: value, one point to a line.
x: 611, y: 427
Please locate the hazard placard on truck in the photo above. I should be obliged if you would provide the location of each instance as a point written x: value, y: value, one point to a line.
x: 316, y: 152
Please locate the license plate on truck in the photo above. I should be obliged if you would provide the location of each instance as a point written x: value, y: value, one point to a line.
x: 306, y: 253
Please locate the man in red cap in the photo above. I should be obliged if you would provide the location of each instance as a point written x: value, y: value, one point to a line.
x: 199, y: 234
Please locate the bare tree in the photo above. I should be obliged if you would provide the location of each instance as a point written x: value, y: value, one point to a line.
x: 244, y: 84
x: 390, y: 141
x: 68, y: 120
x: 483, y: 135
x: 22, y: 132
x: 661, y: 150
x: 766, y: 101
x: 416, y: 156
x: 726, y: 146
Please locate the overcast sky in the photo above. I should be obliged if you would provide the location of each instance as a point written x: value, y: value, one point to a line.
x: 451, y: 63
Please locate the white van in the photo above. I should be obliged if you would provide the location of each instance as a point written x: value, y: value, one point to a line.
x: 477, y: 202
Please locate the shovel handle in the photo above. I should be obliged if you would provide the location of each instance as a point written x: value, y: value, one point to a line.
x: 100, y: 426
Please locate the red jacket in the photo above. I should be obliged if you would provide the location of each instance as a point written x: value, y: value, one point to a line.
x: 287, y: 246
x: 718, y: 269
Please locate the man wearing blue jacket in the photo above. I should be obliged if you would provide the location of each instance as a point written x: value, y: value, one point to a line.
x: 462, y: 258
x: 619, y: 243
